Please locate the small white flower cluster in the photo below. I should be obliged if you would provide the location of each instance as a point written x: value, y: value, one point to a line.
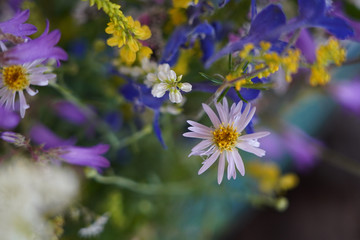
x: 164, y: 80
x: 146, y: 67
x: 95, y: 228
x: 29, y: 195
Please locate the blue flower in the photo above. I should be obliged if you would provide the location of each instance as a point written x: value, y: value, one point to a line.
x: 188, y: 34
x: 270, y: 24
x: 315, y: 13
x: 141, y: 97
x: 262, y: 27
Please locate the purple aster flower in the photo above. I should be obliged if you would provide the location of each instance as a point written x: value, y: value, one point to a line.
x: 8, y: 119
x: 85, y: 156
x: 16, y: 25
x: 347, y: 94
x: 225, y: 138
x: 42, y: 48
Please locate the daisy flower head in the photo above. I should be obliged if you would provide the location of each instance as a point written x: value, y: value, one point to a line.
x: 165, y: 80
x: 14, y: 79
x: 225, y: 137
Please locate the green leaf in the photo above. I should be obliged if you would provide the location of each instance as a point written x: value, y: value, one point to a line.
x: 259, y: 86
x: 223, y: 94
x: 230, y: 63
x: 241, y: 97
x: 215, y: 80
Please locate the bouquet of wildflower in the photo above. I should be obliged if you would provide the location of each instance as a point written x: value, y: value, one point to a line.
x: 110, y: 111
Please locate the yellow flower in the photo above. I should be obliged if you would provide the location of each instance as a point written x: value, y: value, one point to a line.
x: 127, y: 55
x: 269, y: 177
x: 246, y: 50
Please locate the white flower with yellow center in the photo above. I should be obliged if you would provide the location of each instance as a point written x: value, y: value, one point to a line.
x: 225, y: 138
x: 166, y: 80
x: 14, y: 79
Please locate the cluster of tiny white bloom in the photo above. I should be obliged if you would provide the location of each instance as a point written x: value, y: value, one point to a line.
x: 165, y: 80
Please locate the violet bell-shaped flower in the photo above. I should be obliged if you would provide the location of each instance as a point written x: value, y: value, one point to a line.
x: 42, y: 47
x: 17, y: 26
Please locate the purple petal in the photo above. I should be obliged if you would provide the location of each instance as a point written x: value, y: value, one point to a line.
x: 42, y: 47
x: 70, y: 112
x: 42, y: 135
x: 307, y: 45
x: 311, y: 8
x: 16, y: 25
x: 8, y: 119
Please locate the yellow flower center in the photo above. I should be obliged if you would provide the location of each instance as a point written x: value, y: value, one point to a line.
x: 15, y: 78
x: 225, y: 137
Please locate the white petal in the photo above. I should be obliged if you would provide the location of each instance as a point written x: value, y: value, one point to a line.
x: 175, y: 96
x: 208, y: 162
x: 159, y: 90
x: 162, y: 76
x: 186, y: 87
x: 172, y: 75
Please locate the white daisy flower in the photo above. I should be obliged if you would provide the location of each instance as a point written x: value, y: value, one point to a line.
x: 165, y: 80
x: 225, y: 137
x: 14, y: 79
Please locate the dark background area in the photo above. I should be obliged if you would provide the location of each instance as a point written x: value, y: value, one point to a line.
x: 326, y: 204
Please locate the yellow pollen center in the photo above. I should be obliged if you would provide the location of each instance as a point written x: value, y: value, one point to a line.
x: 15, y: 78
x: 225, y: 138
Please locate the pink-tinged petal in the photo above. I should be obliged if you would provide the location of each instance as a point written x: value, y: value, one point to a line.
x: 253, y: 135
x: 231, y: 167
x: 213, y: 118
x: 241, y: 120
x: 235, y: 111
x: 238, y: 162
x: 23, y: 104
x: 210, y: 151
x: 199, y: 125
x: 208, y: 162
x: 201, y: 131
x: 248, y: 148
x: 222, y: 113
x: 195, y: 135
x: 249, y: 117
x: 221, y: 168
x: 201, y: 146
x: 31, y: 92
